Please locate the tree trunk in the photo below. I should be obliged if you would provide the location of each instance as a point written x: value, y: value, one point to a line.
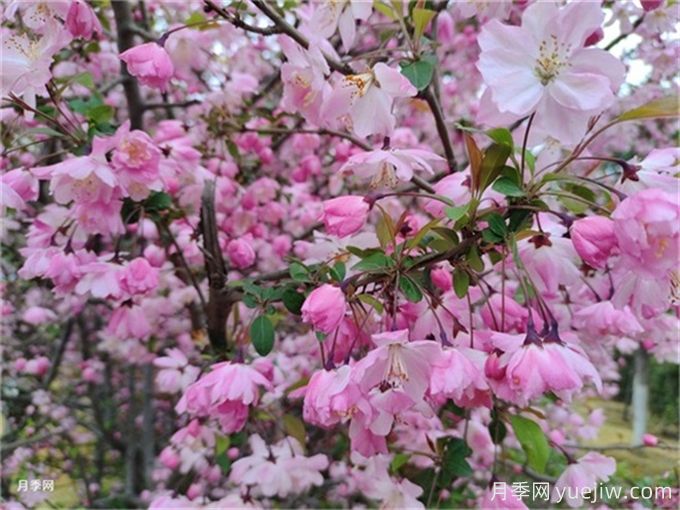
x: 640, y: 402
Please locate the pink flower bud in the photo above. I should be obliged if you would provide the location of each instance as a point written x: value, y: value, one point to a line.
x: 81, y: 20
x: 441, y: 278
x: 169, y: 458
x: 150, y: 64
x: 344, y: 216
x: 594, y: 239
x: 445, y: 28
x: 650, y: 440
x: 650, y: 5
x: 241, y: 254
x: 324, y: 308
x: 594, y: 38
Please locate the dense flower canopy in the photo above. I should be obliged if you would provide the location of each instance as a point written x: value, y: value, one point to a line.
x: 330, y: 254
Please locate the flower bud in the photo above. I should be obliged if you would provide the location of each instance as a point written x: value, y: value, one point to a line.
x: 650, y: 5
x: 150, y: 64
x: 324, y: 308
x: 241, y: 254
x: 344, y: 216
x: 593, y: 239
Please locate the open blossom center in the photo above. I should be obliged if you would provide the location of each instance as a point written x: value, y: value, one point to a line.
x: 137, y: 152
x: 360, y: 82
x: 552, y: 58
x: 384, y: 177
x: 395, y: 372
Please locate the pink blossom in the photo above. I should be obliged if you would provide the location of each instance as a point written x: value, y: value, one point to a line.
x: 81, y: 20
x: 241, y: 253
x: 26, y: 64
x: 150, y: 64
x: 533, y: 370
x: 650, y: 440
x: 328, y: 16
x: 330, y: 397
x: 284, y: 466
x: 324, y: 308
x: 129, y: 322
x: 136, y: 162
x: 585, y: 473
x: 16, y: 188
x: 504, y: 314
x: 344, y: 216
x: 458, y: 374
x: 594, y: 240
x: 550, y: 72
x: 100, y: 279
x: 603, y: 318
x: 36, y: 366
x: 398, y: 364
x: 138, y: 277
x: 36, y: 315
x: 225, y: 393
x: 647, y: 227
x: 389, y: 167
x: 367, y: 99
x: 650, y: 5
x: 303, y: 77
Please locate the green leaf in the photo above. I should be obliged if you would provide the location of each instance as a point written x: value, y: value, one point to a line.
x: 533, y: 441
x: 84, y: 79
x: 492, y: 163
x: 399, y: 460
x: 292, y: 300
x: 502, y: 136
x: 461, y: 282
x: 410, y: 289
x: 454, y: 460
x: 339, y: 271
x: 385, y: 9
x: 658, y: 108
x: 497, y: 431
x: 371, y: 301
x: 158, y: 201
x: 374, y: 262
x: 262, y: 335
x: 497, y: 224
x: 475, y: 260
x: 507, y: 187
x: 421, y: 17
x: 298, y: 272
x: 295, y: 428
x: 456, y: 213
x: 419, y: 73
x: 222, y: 443
x: 100, y: 114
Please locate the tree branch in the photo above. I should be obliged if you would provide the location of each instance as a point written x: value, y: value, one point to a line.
x: 441, y: 127
x: 125, y: 34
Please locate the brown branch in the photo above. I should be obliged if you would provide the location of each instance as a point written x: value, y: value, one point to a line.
x: 441, y: 127
x: 126, y: 33
x: 220, y: 298
x: 293, y: 33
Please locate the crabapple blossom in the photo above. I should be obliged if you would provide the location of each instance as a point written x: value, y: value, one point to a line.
x: 324, y: 308
x: 585, y: 473
x: 365, y: 100
x: 150, y: 64
x: 334, y: 254
x: 550, y: 73
x: 593, y: 239
x: 344, y: 216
